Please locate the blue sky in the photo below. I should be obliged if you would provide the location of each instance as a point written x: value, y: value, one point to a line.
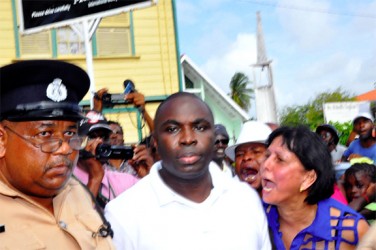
x: 316, y: 45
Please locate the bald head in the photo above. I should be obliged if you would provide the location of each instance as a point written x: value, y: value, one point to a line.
x: 184, y: 135
x: 185, y: 97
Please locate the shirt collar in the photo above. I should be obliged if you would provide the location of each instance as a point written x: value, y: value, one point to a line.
x: 321, y: 222
x: 166, y: 195
x: 320, y: 226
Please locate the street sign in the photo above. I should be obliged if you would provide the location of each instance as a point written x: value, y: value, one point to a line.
x: 344, y: 111
x: 39, y: 15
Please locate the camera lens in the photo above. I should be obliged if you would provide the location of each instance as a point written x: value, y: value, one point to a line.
x: 103, y: 151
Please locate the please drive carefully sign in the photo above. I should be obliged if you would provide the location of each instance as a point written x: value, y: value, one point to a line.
x: 344, y: 111
x: 44, y: 14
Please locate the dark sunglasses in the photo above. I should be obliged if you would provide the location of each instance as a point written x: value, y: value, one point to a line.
x: 223, y: 141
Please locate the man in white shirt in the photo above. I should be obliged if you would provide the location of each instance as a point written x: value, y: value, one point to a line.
x: 184, y: 202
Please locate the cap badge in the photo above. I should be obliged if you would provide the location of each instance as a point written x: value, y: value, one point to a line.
x: 56, y: 90
x: 94, y: 117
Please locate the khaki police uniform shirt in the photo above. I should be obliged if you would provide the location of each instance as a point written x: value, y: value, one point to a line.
x: 24, y: 224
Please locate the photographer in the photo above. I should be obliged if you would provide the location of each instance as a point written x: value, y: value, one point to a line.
x: 142, y: 159
x: 92, y: 168
x: 134, y: 97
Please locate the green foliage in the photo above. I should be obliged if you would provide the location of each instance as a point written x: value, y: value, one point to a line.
x: 344, y: 130
x: 239, y: 91
x: 312, y: 114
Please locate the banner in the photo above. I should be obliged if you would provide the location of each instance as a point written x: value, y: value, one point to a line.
x: 344, y: 111
x: 43, y: 14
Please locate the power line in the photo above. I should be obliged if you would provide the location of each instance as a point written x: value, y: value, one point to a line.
x: 307, y: 9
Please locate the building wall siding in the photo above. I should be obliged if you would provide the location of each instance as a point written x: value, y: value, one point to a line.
x: 7, y: 42
x: 153, y: 68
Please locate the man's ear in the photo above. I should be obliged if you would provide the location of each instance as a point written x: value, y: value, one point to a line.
x: 153, y: 140
x: 3, y: 140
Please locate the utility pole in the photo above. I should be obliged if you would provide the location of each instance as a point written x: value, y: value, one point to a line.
x: 266, y: 110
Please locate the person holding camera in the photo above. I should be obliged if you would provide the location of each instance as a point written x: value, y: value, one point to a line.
x: 133, y: 97
x: 92, y: 167
x: 142, y: 160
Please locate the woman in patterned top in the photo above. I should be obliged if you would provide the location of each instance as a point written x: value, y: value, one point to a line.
x: 298, y: 179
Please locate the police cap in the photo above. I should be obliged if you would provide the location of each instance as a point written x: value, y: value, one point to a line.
x: 42, y: 90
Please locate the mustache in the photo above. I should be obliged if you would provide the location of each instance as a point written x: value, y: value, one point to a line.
x: 58, y: 162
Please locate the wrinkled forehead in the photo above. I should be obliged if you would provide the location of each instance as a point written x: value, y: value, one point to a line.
x: 361, y: 119
x: 326, y: 132
x: 116, y: 128
x: 40, y: 124
x: 220, y: 136
x: 250, y: 146
x: 184, y: 107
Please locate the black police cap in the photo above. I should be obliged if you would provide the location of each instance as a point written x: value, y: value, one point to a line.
x: 42, y: 90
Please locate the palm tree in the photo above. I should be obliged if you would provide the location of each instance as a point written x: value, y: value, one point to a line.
x: 239, y: 91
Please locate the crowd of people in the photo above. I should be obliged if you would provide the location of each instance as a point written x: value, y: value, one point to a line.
x: 69, y: 180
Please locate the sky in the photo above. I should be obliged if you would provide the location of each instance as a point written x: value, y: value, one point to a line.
x: 315, y: 46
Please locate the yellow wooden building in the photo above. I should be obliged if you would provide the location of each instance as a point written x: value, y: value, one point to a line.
x: 140, y: 45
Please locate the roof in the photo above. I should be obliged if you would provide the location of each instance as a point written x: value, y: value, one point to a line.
x: 212, y: 90
x: 368, y: 96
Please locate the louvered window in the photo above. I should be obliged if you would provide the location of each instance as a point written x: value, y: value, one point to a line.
x: 113, y: 38
x: 113, y: 41
x: 37, y: 44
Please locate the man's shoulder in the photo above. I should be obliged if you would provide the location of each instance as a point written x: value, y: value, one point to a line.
x: 76, y: 189
x: 354, y: 145
x: 235, y: 189
x: 137, y: 194
x: 244, y: 188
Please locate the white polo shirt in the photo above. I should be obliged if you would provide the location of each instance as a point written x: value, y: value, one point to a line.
x: 152, y: 216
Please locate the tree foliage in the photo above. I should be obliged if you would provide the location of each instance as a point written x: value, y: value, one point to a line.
x: 240, y: 92
x: 312, y: 114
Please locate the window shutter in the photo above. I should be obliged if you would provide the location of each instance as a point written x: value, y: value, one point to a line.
x: 113, y: 41
x: 113, y: 36
x: 37, y: 44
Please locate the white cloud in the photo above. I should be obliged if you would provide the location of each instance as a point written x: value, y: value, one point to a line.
x: 327, y: 74
x: 325, y: 47
x: 187, y: 13
x: 307, y: 22
x: 239, y: 57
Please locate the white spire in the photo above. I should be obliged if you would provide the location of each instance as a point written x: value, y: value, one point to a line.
x: 266, y: 110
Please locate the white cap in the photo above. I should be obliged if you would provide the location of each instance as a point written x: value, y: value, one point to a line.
x: 252, y: 131
x: 367, y: 115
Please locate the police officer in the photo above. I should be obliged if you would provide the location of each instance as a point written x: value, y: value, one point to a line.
x: 42, y: 207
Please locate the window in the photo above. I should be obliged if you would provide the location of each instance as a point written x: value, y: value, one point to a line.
x: 37, y: 44
x: 113, y: 41
x: 69, y: 42
x: 113, y: 38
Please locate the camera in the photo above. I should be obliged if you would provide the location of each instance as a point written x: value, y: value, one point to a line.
x: 111, y: 99
x: 107, y: 151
